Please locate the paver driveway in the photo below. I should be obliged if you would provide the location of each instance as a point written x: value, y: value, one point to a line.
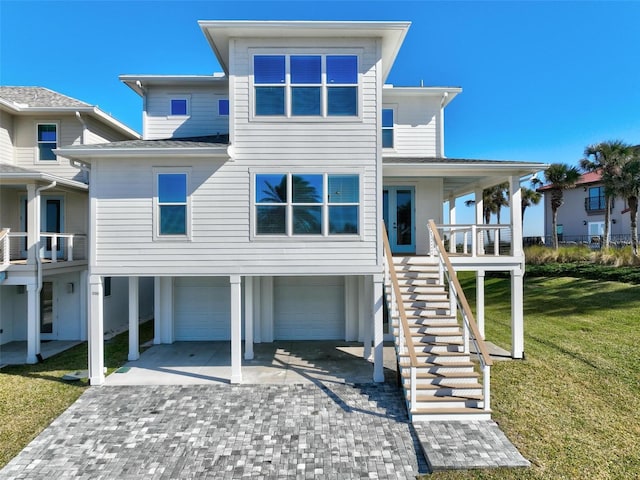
x: 332, y: 431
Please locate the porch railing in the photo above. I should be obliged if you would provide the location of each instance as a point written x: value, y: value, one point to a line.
x: 459, y: 300
x: 477, y: 240
x: 395, y: 309
x: 54, y: 247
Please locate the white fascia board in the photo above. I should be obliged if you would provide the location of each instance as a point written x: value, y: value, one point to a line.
x: 466, y: 169
x: 219, y: 33
x: 44, y: 177
x: 86, y: 154
x: 449, y: 93
x: 178, y: 80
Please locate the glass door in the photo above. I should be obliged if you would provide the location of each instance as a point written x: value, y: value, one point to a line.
x: 399, y: 218
x: 46, y: 311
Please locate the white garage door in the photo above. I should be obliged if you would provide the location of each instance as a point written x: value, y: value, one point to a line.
x: 202, y: 308
x: 309, y: 308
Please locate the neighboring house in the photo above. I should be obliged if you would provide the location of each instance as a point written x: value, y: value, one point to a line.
x: 44, y: 219
x: 256, y: 197
x: 581, y: 217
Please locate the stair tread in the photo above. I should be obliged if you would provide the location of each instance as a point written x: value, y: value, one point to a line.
x: 445, y: 398
x: 455, y: 386
x: 470, y: 410
x: 443, y: 375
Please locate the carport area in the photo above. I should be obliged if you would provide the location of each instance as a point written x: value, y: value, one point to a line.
x: 280, y: 362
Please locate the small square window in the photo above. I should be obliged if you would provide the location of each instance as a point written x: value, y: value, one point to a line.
x: 342, y: 101
x: 269, y: 68
x: 47, y: 141
x: 269, y: 100
x: 387, y: 128
x: 179, y: 106
x: 223, y: 107
x: 306, y: 69
x: 342, y: 69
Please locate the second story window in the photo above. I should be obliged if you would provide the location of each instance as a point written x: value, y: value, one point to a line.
x: 387, y: 128
x: 305, y: 85
x: 179, y: 107
x: 223, y: 107
x: 172, y: 204
x: 47, y: 141
x: 595, y: 200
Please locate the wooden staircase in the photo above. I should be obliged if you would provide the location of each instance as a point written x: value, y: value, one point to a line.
x: 446, y: 380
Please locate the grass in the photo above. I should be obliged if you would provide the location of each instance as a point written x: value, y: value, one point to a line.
x: 572, y: 406
x: 32, y: 396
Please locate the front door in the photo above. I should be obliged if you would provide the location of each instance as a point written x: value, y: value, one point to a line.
x: 399, y: 218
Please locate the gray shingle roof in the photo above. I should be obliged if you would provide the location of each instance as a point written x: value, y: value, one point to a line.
x: 9, y: 168
x: 207, y: 141
x: 38, y: 97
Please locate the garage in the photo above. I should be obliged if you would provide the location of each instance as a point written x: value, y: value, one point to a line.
x: 202, y: 308
x: 309, y: 308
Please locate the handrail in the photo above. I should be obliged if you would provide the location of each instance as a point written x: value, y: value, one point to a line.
x: 396, y: 288
x: 464, y: 304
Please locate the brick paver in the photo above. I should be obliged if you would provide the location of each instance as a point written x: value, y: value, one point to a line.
x: 333, y: 431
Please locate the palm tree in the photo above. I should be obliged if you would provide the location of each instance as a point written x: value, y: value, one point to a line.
x: 559, y: 177
x: 306, y: 218
x: 529, y: 197
x: 626, y: 183
x: 493, y: 199
x: 606, y: 158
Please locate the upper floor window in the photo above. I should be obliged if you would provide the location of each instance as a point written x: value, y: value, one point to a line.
x: 307, y: 204
x: 179, y: 106
x: 387, y: 128
x: 596, y: 199
x: 172, y: 204
x: 223, y: 106
x: 47, y: 141
x: 305, y: 85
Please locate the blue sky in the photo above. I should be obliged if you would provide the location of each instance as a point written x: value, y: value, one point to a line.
x: 541, y: 80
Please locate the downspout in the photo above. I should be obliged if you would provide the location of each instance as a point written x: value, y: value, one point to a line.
x: 144, y: 108
x: 445, y: 95
x: 83, y: 139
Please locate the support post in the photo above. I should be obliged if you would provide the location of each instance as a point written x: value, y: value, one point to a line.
x: 248, y: 318
x: 479, y: 199
x: 84, y: 308
x: 166, y: 300
x: 134, y: 327
x: 517, y: 314
x: 378, y: 334
x: 366, y: 290
x: 452, y: 221
x: 33, y: 224
x: 33, y: 323
x: 157, y: 311
x: 96, y: 331
x: 236, y: 329
x: 515, y: 210
x: 480, y: 301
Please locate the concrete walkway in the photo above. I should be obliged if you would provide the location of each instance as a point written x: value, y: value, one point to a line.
x: 15, y: 353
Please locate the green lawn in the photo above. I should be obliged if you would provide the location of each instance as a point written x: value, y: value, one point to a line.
x: 32, y: 396
x: 573, y: 406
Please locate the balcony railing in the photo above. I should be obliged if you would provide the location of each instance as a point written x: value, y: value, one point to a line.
x: 595, y: 204
x: 54, y: 247
x: 473, y: 240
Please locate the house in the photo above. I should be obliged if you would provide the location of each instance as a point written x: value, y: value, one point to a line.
x: 44, y: 219
x: 256, y: 200
x: 581, y: 217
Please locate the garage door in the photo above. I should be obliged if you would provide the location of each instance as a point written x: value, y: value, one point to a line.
x: 202, y: 308
x: 309, y: 308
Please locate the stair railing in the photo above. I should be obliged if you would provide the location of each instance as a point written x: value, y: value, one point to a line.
x: 469, y: 323
x: 404, y: 344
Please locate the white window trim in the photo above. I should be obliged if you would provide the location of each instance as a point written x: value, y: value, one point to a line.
x: 323, y: 117
x: 180, y: 96
x: 37, y: 160
x: 393, y: 107
x: 156, y: 205
x: 325, y: 235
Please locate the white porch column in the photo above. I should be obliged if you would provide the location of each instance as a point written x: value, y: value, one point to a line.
x: 516, y: 215
x: 480, y: 301
x: 452, y: 221
x: 33, y: 323
x: 157, y: 311
x: 266, y: 311
x: 351, y: 308
x: 257, y: 310
x: 84, y: 295
x: 134, y: 327
x: 479, y: 199
x: 236, y: 329
x: 366, y: 287
x: 96, y: 331
x: 378, y: 334
x: 517, y: 314
x: 33, y: 224
x: 248, y: 318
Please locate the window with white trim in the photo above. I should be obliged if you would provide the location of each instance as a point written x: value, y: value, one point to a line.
x: 223, y: 107
x: 47, y: 141
x: 387, y: 128
x: 321, y: 204
x: 305, y: 85
x: 179, y: 107
x: 172, y: 216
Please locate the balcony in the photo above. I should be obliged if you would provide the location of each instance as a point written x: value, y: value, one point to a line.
x: 595, y: 205
x: 475, y: 240
x: 53, y: 248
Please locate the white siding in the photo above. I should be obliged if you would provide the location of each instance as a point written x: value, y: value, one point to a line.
x: 6, y: 137
x: 202, y: 308
x: 221, y: 241
x: 98, y: 132
x: 417, y: 124
x: 309, y: 308
x: 203, y: 118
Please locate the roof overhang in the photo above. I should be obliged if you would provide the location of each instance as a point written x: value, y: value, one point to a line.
x: 88, y: 153
x: 446, y: 93
x: 219, y: 34
x: 138, y: 83
x: 21, y: 178
x: 88, y: 110
x: 460, y: 176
